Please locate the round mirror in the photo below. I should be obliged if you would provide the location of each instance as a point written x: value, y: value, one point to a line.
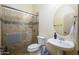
x: 63, y: 19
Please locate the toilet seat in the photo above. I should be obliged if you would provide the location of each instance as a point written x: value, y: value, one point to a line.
x: 33, y: 47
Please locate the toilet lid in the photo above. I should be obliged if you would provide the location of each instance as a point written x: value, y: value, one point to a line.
x: 33, y: 47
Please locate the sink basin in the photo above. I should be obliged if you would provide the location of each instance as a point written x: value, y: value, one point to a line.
x: 62, y: 45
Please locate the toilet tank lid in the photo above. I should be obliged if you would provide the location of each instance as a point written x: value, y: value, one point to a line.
x: 41, y: 37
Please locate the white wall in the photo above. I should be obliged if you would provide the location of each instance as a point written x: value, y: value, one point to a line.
x: 24, y: 7
x: 46, y: 16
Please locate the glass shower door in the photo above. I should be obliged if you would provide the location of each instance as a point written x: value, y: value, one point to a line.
x: 19, y: 30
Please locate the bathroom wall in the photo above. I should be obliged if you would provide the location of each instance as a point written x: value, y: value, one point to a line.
x: 31, y: 8
x: 24, y: 7
x: 46, y: 15
x: 0, y: 33
x: 78, y: 27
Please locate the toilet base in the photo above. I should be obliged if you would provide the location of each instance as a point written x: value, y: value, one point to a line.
x: 35, y: 53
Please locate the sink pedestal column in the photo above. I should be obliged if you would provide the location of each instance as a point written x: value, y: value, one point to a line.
x: 59, y: 52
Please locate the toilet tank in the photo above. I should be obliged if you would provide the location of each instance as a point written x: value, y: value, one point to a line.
x: 41, y: 40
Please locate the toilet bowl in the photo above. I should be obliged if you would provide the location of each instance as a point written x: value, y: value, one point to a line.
x: 35, y: 49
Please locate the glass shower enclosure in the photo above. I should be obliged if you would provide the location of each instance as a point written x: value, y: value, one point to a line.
x: 18, y: 29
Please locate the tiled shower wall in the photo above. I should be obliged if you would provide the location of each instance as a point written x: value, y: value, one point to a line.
x: 15, y: 21
x: 0, y: 27
x: 0, y: 33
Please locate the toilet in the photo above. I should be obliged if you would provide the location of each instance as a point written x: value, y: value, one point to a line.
x: 35, y: 49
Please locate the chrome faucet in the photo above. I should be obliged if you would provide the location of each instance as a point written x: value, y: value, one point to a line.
x: 62, y: 39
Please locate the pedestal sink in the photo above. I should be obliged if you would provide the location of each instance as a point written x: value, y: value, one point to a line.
x: 61, y: 44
